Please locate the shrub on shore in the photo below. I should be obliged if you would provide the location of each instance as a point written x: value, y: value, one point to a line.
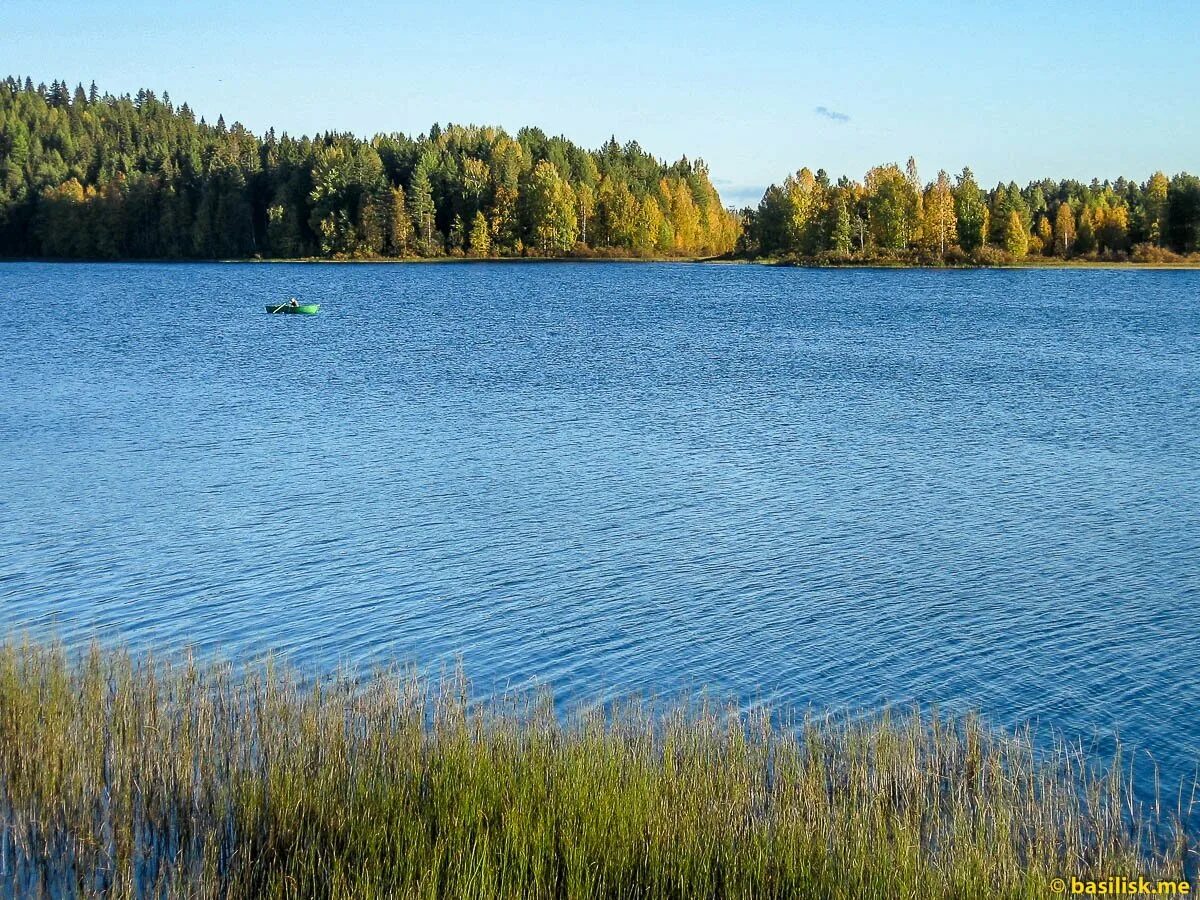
x: 1148, y: 253
x: 123, y: 776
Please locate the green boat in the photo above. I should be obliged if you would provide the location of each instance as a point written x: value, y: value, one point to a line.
x: 303, y: 309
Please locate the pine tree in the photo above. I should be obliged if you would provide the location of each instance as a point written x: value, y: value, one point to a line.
x: 371, y: 227
x: 1006, y: 199
x: 420, y: 194
x: 914, y: 182
x: 283, y: 232
x: 1183, y: 213
x: 970, y: 211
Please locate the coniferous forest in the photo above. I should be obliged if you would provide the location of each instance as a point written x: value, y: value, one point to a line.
x: 91, y: 176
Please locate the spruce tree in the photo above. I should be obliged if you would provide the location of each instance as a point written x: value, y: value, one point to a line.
x: 420, y: 194
x: 970, y: 212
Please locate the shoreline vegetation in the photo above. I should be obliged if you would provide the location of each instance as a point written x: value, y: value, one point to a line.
x: 1189, y: 263
x: 126, y: 776
x: 893, y: 218
x: 107, y: 177
x: 85, y: 175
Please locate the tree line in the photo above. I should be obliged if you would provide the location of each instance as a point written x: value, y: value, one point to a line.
x: 86, y: 175
x: 893, y: 215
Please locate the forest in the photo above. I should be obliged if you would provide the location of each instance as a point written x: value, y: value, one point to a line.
x: 891, y: 215
x: 85, y: 175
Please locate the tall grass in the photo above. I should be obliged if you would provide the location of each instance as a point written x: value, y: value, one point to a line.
x: 122, y: 776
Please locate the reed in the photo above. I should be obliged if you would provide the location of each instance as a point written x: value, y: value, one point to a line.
x: 125, y: 776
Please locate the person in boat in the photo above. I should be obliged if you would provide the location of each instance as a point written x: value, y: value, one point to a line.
x: 293, y: 302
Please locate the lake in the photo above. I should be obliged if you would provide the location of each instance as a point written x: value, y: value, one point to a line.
x: 837, y: 488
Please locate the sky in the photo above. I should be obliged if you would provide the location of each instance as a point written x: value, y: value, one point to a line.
x: 1017, y: 90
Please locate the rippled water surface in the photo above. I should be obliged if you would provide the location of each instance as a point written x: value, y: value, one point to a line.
x: 827, y: 487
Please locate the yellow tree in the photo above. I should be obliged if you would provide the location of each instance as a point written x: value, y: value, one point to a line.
x: 1064, y: 229
x: 939, y: 223
x: 1156, y: 207
x: 649, y: 221
x: 665, y: 239
x: 616, y: 211
x: 480, y: 238
x: 893, y: 207
x: 665, y: 194
x: 686, y: 218
x: 720, y: 228
x: 552, y: 207
x: 801, y: 190
x: 1045, y: 234
x: 1113, y: 226
x: 508, y: 161
x: 1016, y: 238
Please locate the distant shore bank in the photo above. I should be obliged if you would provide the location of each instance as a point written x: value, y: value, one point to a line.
x: 1024, y: 264
x: 1190, y: 264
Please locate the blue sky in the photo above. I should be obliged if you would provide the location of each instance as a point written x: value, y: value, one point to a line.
x: 1016, y: 90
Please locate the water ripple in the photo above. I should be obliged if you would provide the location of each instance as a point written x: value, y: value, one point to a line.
x: 828, y: 488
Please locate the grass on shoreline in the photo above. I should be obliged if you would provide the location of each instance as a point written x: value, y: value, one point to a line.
x: 123, y: 776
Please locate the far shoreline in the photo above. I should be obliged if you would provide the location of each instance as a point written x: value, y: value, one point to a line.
x: 1186, y: 265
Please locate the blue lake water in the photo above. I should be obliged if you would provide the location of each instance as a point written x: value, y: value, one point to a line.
x: 838, y: 488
